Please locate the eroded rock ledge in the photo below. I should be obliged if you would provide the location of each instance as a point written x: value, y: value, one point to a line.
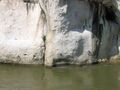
x: 52, y: 32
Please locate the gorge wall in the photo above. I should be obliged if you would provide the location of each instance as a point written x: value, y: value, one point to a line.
x: 52, y: 32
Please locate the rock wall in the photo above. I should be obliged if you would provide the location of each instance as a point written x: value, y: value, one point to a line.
x: 21, y: 32
x: 82, y: 31
x: 54, y: 32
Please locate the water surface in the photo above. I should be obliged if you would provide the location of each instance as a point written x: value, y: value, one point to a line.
x: 97, y: 77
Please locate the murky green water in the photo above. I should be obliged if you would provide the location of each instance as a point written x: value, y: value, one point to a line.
x: 98, y: 77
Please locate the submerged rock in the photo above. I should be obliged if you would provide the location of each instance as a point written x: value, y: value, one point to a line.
x: 51, y: 32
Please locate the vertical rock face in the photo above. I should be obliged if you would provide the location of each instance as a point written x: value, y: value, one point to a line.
x: 54, y: 32
x: 118, y: 14
x: 69, y: 39
x: 81, y: 31
x: 21, y: 32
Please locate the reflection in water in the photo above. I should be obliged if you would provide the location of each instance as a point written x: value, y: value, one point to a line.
x: 99, y: 77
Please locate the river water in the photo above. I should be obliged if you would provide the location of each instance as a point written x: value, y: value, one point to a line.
x: 97, y: 77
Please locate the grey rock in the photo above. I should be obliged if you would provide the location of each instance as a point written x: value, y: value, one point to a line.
x: 54, y: 32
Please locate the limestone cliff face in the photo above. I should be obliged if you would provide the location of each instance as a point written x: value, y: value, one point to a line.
x: 21, y: 32
x: 51, y: 32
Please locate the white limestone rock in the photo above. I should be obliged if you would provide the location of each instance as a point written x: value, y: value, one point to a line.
x: 21, y: 32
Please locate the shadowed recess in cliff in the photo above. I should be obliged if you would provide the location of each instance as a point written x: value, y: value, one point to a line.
x: 103, y: 13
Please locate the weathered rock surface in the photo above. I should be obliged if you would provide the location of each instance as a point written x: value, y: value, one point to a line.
x: 21, y: 32
x: 54, y: 32
x: 82, y: 31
